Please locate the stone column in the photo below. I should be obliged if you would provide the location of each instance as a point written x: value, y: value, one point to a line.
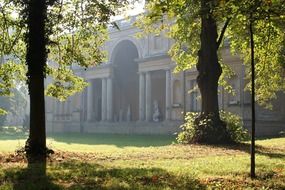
x: 89, y: 101
x: 104, y: 99
x: 142, y: 97
x: 148, y: 104
x: 168, y: 95
x: 109, y: 99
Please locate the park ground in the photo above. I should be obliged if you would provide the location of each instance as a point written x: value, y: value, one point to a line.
x: 139, y: 162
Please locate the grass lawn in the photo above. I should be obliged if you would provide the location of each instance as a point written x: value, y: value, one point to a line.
x: 140, y: 162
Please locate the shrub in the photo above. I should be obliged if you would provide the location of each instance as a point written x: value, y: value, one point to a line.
x: 234, y: 126
x: 187, y: 132
x: 193, y: 131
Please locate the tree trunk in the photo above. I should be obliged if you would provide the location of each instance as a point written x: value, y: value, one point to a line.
x: 209, y: 72
x: 252, y: 146
x: 36, y: 60
x: 208, y: 67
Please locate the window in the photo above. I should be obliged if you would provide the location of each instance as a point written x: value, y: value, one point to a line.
x: 246, y: 97
x: 157, y: 43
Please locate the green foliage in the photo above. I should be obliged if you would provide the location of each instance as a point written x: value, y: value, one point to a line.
x: 269, y: 38
x: 194, y: 128
x: 225, y: 77
x: 76, y: 31
x: 234, y: 126
x: 11, y: 74
x: 12, y: 53
x: 187, y: 132
x: 180, y: 20
x: 5, y: 105
x: 65, y: 84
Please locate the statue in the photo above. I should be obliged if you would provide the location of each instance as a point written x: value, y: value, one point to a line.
x: 156, y: 114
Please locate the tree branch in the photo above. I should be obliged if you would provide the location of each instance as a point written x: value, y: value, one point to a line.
x: 223, y: 32
x: 15, y: 41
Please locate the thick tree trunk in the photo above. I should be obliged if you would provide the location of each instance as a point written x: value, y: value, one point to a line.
x: 208, y: 67
x: 36, y: 60
x: 209, y: 72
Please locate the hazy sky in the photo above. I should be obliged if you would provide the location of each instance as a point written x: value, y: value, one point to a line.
x: 136, y: 9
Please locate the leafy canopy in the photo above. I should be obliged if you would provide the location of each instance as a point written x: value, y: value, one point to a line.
x: 268, y: 17
x: 181, y: 21
x: 76, y: 31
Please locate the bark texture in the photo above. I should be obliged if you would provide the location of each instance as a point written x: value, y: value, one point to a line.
x: 36, y: 60
x: 209, y: 125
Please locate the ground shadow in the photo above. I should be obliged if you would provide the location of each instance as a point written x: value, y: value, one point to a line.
x: 31, y: 178
x: 94, y: 176
x: 83, y: 176
x: 119, y: 140
x: 261, y: 150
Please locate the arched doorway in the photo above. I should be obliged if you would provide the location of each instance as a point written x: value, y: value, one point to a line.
x: 126, y: 82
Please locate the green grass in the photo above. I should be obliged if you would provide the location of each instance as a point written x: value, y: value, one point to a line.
x: 15, y: 138
x: 141, y: 162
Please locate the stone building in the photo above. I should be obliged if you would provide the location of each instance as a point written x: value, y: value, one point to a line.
x: 136, y: 91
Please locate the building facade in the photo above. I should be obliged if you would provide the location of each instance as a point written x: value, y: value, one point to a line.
x: 136, y: 91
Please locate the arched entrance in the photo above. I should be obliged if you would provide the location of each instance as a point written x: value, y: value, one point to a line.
x: 126, y: 82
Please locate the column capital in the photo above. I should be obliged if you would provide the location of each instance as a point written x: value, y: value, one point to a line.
x: 168, y: 69
x: 148, y: 73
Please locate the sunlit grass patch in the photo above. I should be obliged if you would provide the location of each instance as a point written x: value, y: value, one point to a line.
x: 201, y: 173
x: 143, y: 162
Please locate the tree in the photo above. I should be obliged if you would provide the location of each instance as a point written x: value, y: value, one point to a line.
x: 209, y: 72
x: 265, y: 22
x: 193, y: 26
x: 255, y: 30
x: 11, y: 72
x: 65, y: 32
x: 268, y: 27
